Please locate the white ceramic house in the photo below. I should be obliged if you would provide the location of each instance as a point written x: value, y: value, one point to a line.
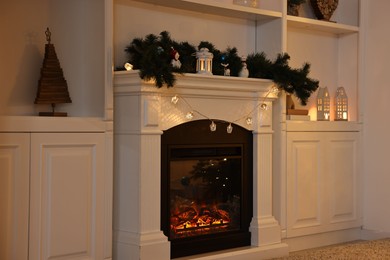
x: 341, y: 105
x: 323, y: 104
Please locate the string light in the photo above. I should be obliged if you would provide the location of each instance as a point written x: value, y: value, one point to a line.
x: 190, y: 115
x: 229, y: 129
x: 175, y: 99
x: 213, y: 127
x: 128, y: 66
x: 264, y: 106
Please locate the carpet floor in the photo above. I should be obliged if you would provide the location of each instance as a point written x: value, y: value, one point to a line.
x: 357, y: 250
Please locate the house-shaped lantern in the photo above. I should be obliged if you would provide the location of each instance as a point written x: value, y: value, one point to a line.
x: 204, y: 61
x: 341, y: 105
x: 323, y: 104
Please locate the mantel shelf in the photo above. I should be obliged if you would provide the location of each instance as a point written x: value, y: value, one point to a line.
x: 322, y: 26
x: 197, y: 84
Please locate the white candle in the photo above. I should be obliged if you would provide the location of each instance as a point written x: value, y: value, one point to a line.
x: 345, y: 115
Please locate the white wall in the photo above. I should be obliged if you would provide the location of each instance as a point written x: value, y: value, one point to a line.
x: 77, y: 28
x: 22, y: 27
x: 376, y: 107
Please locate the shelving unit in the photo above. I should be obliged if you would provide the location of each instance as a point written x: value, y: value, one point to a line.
x: 332, y: 49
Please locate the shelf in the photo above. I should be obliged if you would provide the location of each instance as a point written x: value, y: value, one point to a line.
x: 218, y: 8
x: 197, y: 85
x: 321, y: 26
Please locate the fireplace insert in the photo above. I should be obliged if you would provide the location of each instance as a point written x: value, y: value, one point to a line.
x: 206, y: 187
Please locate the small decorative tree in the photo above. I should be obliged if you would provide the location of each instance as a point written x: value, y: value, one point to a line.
x: 293, y: 6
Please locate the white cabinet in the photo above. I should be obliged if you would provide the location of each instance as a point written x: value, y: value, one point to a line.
x: 14, y: 195
x: 322, y: 181
x: 67, y: 196
x: 56, y: 190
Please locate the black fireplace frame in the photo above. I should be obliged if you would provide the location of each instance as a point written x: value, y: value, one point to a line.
x: 197, y: 133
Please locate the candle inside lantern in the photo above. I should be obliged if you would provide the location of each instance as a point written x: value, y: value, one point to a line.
x: 326, y: 116
x: 345, y: 115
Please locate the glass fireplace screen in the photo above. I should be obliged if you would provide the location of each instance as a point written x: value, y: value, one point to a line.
x: 205, y: 190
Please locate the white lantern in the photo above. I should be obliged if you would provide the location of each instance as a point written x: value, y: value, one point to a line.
x: 323, y: 104
x: 204, y: 61
x: 341, y: 105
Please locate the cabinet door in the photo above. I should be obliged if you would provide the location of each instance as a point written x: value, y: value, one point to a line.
x: 305, y: 176
x: 67, y: 196
x: 14, y: 195
x: 322, y: 182
x: 343, y: 180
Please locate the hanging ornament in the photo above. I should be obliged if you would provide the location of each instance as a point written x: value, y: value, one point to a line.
x: 249, y: 120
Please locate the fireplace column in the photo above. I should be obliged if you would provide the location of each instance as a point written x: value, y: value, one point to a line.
x: 137, y: 233
x: 265, y: 229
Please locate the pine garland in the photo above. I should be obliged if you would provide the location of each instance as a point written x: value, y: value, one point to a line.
x: 152, y: 56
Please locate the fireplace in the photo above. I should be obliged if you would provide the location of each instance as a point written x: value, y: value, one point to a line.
x: 206, y: 188
x: 144, y: 116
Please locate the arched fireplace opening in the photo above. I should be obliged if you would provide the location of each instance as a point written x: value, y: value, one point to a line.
x: 206, y: 187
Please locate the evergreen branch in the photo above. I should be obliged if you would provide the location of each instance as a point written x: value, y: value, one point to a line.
x: 152, y: 56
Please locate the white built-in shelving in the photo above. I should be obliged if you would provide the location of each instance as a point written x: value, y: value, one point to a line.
x: 333, y: 48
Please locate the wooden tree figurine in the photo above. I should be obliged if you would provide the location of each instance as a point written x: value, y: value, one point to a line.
x: 52, y: 86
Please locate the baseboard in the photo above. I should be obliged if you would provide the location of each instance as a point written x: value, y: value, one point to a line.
x: 322, y: 239
x: 367, y: 234
x: 244, y: 253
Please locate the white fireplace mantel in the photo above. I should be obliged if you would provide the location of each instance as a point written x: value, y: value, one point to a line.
x: 141, y: 112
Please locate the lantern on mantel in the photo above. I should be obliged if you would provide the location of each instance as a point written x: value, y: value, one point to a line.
x: 341, y: 105
x: 323, y: 104
x: 204, y: 61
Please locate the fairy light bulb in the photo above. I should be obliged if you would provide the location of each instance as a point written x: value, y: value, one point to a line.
x: 128, y: 66
x: 229, y: 129
x: 190, y: 115
x: 264, y: 106
x: 175, y: 99
x: 249, y: 120
x: 213, y: 126
x: 275, y: 90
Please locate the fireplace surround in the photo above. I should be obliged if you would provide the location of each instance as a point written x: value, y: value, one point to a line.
x: 142, y: 113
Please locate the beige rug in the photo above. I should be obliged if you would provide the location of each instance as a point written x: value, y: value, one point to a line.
x: 358, y: 250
